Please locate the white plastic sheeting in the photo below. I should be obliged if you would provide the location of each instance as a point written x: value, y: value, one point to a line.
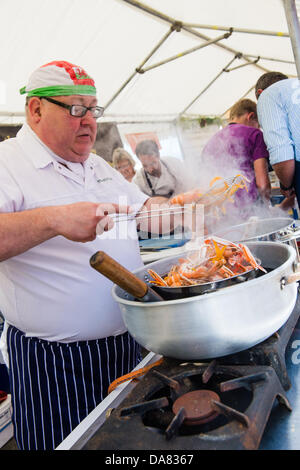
x: 111, y: 38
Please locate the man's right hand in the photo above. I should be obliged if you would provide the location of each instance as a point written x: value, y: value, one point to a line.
x: 82, y: 221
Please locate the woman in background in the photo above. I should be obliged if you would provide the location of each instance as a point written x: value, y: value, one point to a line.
x: 124, y: 163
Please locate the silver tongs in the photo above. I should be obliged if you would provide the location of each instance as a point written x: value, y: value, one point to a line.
x: 149, y: 214
x: 176, y: 209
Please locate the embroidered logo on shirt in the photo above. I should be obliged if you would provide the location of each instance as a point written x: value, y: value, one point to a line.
x: 103, y: 180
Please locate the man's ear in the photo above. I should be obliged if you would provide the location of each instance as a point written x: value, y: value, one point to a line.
x: 258, y: 92
x: 34, y: 108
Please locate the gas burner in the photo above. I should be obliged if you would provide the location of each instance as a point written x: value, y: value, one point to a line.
x: 213, y: 404
x: 193, y: 407
x: 197, y: 407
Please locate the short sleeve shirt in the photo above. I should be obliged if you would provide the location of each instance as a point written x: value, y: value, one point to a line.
x: 233, y: 150
x: 51, y: 291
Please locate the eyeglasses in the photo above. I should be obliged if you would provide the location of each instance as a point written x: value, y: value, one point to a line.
x: 77, y: 110
x: 124, y: 166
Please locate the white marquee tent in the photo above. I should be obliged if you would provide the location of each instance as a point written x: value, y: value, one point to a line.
x: 121, y: 44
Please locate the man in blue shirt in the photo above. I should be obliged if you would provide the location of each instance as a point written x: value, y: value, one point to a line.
x: 278, y: 110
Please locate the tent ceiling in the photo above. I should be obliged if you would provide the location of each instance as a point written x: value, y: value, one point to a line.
x: 111, y: 38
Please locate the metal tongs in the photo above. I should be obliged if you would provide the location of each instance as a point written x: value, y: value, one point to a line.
x: 226, y: 183
x: 149, y: 214
x: 222, y: 195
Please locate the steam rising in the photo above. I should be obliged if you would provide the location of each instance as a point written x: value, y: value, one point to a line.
x: 246, y: 206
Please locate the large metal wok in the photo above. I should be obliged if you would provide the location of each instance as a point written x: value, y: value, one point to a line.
x: 218, y: 323
x: 281, y: 229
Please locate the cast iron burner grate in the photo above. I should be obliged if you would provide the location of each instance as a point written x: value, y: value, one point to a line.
x: 193, y: 406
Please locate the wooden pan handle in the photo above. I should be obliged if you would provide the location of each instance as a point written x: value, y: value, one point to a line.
x: 119, y: 275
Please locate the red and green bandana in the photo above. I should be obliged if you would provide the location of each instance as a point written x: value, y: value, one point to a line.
x: 59, y: 78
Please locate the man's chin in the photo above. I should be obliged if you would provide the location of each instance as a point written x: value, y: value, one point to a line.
x: 79, y: 155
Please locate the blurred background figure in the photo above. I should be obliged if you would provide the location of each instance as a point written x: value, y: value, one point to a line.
x: 240, y: 148
x: 165, y: 176
x: 124, y: 163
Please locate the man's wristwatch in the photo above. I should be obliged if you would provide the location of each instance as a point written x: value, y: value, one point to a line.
x: 284, y: 188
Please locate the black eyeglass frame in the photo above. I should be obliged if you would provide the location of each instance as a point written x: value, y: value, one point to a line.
x: 71, y: 106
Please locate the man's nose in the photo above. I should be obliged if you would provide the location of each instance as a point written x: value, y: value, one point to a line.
x: 88, y: 117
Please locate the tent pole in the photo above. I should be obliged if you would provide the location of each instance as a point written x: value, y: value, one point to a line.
x: 168, y: 19
x: 139, y: 68
x: 271, y: 59
x: 294, y: 30
x: 188, y: 51
x: 237, y: 30
x: 223, y: 46
x: 207, y: 86
x: 150, y: 10
x: 242, y: 65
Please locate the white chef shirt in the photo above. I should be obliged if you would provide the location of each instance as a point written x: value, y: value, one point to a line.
x: 51, y: 291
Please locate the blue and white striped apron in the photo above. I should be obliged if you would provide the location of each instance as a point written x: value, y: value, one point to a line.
x: 54, y: 385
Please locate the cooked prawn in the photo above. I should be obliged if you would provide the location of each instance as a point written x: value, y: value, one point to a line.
x: 220, y: 191
x: 216, y: 259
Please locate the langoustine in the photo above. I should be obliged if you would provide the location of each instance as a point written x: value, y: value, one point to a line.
x: 220, y: 191
x: 216, y: 260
